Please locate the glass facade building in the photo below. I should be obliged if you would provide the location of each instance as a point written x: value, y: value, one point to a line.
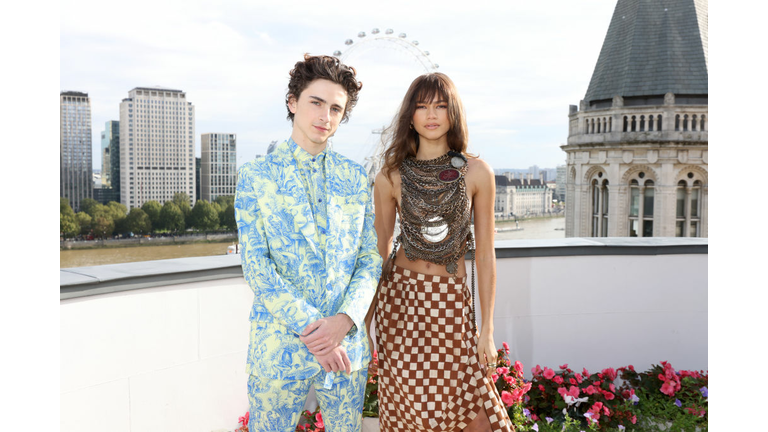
x: 76, y: 161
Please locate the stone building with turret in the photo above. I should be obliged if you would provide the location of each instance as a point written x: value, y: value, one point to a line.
x: 637, y: 160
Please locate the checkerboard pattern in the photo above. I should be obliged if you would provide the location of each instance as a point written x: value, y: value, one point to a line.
x: 430, y: 378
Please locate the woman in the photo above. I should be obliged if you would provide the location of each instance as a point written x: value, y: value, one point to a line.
x: 434, y: 368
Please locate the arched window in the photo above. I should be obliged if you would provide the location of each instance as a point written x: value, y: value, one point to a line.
x: 610, y: 125
x: 634, y: 123
x: 598, y: 125
x: 693, y: 122
x: 702, y: 123
x: 599, y: 192
x: 650, y: 123
x: 677, y: 122
x: 626, y: 123
x: 641, y: 204
x: 688, y: 209
x: 642, y: 123
x: 658, y: 122
x: 685, y: 122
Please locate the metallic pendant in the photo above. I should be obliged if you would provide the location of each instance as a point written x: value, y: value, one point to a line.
x: 457, y: 162
x: 452, y: 267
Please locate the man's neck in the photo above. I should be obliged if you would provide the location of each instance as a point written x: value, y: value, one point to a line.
x: 309, y: 146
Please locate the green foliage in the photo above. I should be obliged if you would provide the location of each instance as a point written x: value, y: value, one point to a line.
x: 204, y: 216
x: 102, y: 226
x: 84, y: 222
x: 182, y: 202
x: 68, y: 226
x: 225, y: 200
x: 138, y: 222
x: 86, y: 204
x: 227, y: 218
x: 152, y: 209
x: 171, y: 218
x: 64, y: 208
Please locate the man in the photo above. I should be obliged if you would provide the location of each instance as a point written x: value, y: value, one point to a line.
x: 305, y: 224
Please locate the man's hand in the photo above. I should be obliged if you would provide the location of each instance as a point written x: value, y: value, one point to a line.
x: 335, y: 361
x: 325, y: 334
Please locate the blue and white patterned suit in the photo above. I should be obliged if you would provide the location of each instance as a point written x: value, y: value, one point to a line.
x: 300, y: 274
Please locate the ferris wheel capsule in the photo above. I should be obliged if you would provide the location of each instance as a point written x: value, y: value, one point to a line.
x: 375, y: 30
x: 389, y: 31
x: 337, y: 53
x: 349, y: 42
x: 361, y: 35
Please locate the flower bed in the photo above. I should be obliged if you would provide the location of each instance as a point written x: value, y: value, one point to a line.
x: 659, y: 399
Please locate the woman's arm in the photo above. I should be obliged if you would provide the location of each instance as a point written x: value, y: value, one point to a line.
x: 384, y: 222
x: 483, y: 198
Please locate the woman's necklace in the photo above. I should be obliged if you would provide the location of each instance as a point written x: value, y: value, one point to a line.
x: 435, y: 219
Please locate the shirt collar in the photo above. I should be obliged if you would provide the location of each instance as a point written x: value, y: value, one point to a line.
x: 303, y: 157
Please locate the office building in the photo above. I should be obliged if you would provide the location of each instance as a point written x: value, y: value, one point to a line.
x: 218, y: 167
x: 75, y: 158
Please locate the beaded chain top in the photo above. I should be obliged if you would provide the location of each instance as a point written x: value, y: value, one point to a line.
x: 435, y: 213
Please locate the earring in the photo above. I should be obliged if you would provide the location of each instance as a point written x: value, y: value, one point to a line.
x: 411, y: 126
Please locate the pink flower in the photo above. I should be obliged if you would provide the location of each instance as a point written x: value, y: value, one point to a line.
x: 549, y: 373
x: 536, y: 370
x: 244, y: 419
x: 494, y: 377
x: 563, y: 367
x: 502, y: 370
x: 585, y: 372
x: 319, y: 421
x: 633, y: 419
x: 607, y: 395
x: 612, y: 387
x: 507, y: 398
x: 509, y: 379
x: 579, y: 379
x: 573, y: 391
x: 572, y: 381
x: 519, y: 367
x: 558, y: 380
x: 668, y: 388
x: 590, y: 390
x: 541, y: 387
x: 506, y: 347
x: 630, y: 367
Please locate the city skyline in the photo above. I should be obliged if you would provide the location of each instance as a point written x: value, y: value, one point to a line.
x: 233, y: 62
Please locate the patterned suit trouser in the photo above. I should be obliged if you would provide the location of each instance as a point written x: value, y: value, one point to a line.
x: 276, y: 405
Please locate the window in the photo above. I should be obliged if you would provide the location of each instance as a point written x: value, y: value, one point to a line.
x: 688, y: 209
x: 599, y: 206
x: 641, y: 205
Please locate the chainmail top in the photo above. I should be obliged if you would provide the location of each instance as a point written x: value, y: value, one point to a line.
x: 435, y: 213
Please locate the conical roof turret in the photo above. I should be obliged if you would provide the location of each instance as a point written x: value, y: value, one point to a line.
x: 653, y: 47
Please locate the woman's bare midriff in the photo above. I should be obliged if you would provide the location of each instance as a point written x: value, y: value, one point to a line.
x: 426, y: 267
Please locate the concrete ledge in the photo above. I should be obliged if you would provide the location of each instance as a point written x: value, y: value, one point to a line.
x: 87, y: 281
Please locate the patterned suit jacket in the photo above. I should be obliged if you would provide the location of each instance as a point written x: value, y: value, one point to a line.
x: 293, y: 285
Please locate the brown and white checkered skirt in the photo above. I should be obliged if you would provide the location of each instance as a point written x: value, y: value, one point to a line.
x: 430, y: 378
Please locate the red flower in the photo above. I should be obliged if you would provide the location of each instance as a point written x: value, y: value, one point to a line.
x: 590, y: 390
x: 558, y: 380
x: 536, y: 370
x: 668, y: 388
x: 506, y: 347
x: 610, y: 373
x: 541, y: 387
x: 633, y: 419
x: 507, y: 398
x: 319, y: 421
x: 549, y: 373
x: 509, y: 379
x: 563, y: 367
x: 572, y: 381
x: 579, y: 379
x: 502, y: 370
x: 585, y: 372
x: 494, y: 377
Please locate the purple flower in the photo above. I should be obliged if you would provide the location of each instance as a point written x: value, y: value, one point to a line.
x: 526, y: 412
x: 678, y: 403
x: 621, y: 428
x: 588, y: 415
x: 549, y: 420
x: 635, y: 399
x: 704, y: 392
x: 535, y: 427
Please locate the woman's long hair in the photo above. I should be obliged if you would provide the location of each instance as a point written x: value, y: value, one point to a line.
x: 404, y: 141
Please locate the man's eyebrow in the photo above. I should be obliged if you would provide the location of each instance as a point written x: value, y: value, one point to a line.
x: 324, y: 101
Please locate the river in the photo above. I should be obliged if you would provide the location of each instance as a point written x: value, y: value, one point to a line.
x: 544, y: 228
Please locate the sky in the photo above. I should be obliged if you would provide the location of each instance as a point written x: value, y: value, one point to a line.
x: 517, y: 65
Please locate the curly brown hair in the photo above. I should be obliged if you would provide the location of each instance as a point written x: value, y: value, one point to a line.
x: 327, y: 68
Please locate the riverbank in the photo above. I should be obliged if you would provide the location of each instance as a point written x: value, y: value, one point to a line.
x: 504, y: 221
x: 148, y: 241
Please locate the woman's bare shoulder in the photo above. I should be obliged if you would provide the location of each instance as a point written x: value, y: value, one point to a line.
x: 479, y: 169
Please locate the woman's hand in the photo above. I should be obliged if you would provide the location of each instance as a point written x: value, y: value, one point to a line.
x: 486, y: 349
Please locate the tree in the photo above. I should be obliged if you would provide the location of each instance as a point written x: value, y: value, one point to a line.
x: 86, y: 204
x: 171, y: 218
x: 68, y: 226
x: 224, y: 200
x: 204, y: 216
x: 227, y: 218
x: 84, y: 222
x: 182, y: 202
x: 138, y: 222
x: 102, y: 226
x: 152, y: 209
